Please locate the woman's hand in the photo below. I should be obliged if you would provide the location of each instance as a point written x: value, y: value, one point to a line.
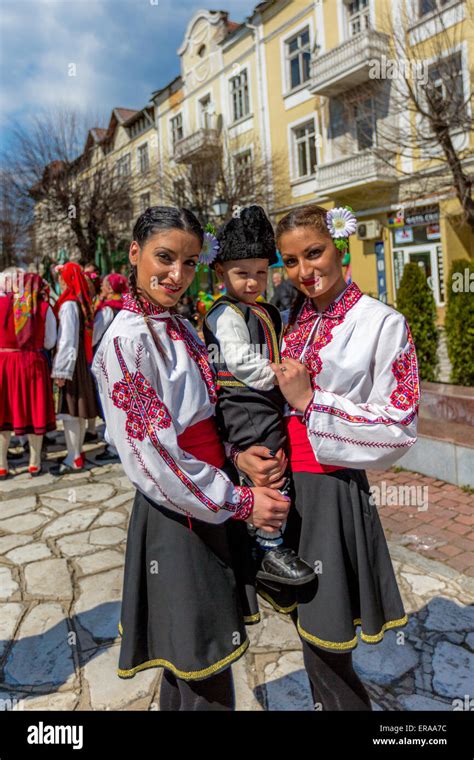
x: 261, y: 467
x: 270, y: 509
x: 295, y: 383
x: 60, y: 381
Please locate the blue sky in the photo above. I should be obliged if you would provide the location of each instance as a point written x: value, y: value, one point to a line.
x: 122, y: 50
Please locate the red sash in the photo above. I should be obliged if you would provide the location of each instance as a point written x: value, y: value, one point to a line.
x: 202, y: 441
x: 301, y: 455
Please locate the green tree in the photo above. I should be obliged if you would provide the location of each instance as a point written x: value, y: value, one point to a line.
x: 459, y: 324
x: 416, y: 302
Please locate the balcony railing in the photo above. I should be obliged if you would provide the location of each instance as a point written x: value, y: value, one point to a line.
x: 196, y: 147
x: 364, y: 168
x: 347, y: 65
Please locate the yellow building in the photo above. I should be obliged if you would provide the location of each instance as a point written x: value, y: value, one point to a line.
x: 308, y: 97
x: 126, y: 149
x: 293, y: 87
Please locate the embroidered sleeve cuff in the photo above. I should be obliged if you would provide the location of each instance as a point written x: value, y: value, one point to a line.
x: 246, y: 503
x: 307, y: 411
x: 231, y: 452
x: 61, y: 376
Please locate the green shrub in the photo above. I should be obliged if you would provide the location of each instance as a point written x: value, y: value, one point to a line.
x: 459, y: 323
x: 416, y: 302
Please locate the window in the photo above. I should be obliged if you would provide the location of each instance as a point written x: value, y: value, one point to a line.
x: 445, y: 89
x: 143, y: 158
x: 145, y: 202
x: 304, y: 138
x: 139, y: 126
x: 364, y: 120
x: 298, y: 58
x: 244, y: 179
x: 206, y: 110
x: 124, y: 166
x: 358, y: 12
x: 177, y: 128
x: 239, y: 90
x: 430, y: 6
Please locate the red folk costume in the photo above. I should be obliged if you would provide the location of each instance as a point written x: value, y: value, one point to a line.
x: 27, y: 326
x: 108, y: 308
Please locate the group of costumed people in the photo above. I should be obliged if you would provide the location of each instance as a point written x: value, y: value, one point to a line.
x: 48, y: 346
x: 248, y: 452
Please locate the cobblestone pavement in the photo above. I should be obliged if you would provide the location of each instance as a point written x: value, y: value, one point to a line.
x: 62, y: 543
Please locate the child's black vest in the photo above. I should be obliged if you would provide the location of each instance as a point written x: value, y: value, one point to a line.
x: 248, y: 416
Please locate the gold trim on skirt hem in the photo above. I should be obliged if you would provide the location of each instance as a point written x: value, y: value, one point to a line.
x: 249, y: 619
x: 370, y: 639
x: 186, y: 675
x: 284, y: 610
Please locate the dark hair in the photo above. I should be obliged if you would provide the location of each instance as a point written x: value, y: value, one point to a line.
x: 153, y: 220
x: 307, y: 216
x: 157, y: 218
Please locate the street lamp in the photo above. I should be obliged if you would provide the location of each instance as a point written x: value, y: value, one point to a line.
x: 220, y: 207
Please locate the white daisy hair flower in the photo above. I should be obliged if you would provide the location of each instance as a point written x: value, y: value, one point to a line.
x: 341, y: 222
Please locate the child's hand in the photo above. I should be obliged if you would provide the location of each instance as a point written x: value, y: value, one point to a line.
x: 295, y: 383
x: 261, y: 467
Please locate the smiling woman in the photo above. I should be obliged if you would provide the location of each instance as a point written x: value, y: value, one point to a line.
x: 167, y: 256
x: 350, y: 378
x: 158, y: 393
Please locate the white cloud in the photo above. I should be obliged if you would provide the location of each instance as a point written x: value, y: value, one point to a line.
x: 123, y: 50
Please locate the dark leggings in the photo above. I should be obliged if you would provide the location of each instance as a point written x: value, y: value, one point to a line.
x: 214, y: 693
x: 334, y: 683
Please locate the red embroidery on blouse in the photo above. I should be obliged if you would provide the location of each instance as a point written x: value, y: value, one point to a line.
x: 406, y: 395
x: 177, y: 330
x: 331, y: 317
x: 140, y: 402
x: 370, y: 444
x: 131, y: 304
x: 405, y: 368
x: 145, y: 414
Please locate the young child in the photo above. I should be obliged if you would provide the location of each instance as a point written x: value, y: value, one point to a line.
x: 243, y: 338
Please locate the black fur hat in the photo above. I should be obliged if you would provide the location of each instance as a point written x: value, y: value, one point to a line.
x: 248, y: 236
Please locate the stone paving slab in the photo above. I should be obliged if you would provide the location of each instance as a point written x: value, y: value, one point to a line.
x: 430, y: 516
x: 62, y: 544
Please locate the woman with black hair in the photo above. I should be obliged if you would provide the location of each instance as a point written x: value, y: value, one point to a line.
x: 182, y: 606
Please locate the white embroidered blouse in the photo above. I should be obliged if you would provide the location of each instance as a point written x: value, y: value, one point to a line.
x: 151, y: 396
x: 67, y: 346
x: 364, y: 373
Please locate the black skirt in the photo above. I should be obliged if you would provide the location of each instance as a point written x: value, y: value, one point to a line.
x: 186, y: 595
x: 333, y: 526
